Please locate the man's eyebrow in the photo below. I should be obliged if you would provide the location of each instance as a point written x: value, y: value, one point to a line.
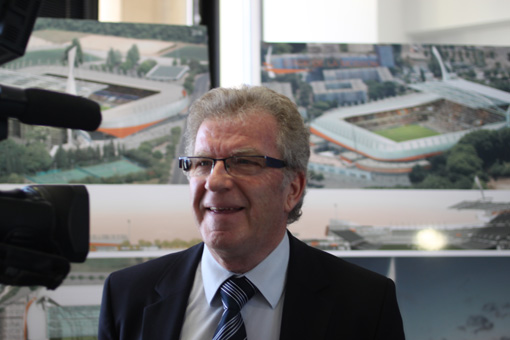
x: 248, y: 151
x: 245, y: 152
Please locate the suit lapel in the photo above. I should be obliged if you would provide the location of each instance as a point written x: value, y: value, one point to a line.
x: 306, y: 311
x: 307, y: 308
x: 164, y: 318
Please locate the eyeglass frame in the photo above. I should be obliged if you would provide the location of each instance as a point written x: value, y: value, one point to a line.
x: 271, y: 162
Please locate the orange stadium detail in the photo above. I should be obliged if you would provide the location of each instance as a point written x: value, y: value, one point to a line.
x: 126, y: 131
x: 405, y: 159
x: 383, y: 170
x: 270, y: 68
x: 103, y: 244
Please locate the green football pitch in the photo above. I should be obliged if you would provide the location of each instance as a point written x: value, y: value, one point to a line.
x: 406, y: 132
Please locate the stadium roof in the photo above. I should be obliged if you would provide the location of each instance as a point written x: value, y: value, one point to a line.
x: 120, y: 121
x: 465, y: 93
x: 337, y: 86
x: 165, y: 72
x: 52, y: 83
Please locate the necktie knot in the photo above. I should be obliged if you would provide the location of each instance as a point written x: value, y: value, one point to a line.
x: 235, y: 293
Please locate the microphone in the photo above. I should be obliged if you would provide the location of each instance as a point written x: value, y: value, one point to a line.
x: 42, y: 107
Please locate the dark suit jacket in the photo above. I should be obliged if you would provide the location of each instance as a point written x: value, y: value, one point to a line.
x: 325, y: 298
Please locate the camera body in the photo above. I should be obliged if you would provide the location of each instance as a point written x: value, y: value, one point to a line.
x: 43, y: 228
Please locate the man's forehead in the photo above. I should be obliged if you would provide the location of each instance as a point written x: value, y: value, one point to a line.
x: 236, y: 137
x: 261, y: 119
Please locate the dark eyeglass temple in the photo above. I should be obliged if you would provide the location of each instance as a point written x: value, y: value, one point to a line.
x: 275, y: 163
x: 184, y: 163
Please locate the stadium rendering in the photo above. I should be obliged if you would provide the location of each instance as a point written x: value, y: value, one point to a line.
x: 423, y: 124
x: 126, y: 109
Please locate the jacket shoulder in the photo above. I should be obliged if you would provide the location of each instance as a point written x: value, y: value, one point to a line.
x: 151, y: 270
x: 333, y: 267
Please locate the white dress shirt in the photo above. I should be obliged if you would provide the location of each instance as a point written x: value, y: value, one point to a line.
x: 262, y: 314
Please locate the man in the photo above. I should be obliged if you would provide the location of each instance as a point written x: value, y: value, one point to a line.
x: 248, y: 151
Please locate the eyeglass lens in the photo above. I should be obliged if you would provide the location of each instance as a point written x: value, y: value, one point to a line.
x: 235, y: 166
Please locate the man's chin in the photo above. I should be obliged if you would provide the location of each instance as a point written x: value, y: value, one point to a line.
x: 223, y: 220
x: 223, y: 241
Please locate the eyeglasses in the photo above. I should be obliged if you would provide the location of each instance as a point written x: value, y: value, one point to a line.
x: 234, y: 166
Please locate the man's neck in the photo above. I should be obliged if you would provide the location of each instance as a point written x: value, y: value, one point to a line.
x: 241, y: 264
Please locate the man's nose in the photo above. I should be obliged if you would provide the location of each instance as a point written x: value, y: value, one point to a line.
x: 219, y: 178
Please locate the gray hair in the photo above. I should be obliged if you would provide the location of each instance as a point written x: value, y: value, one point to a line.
x: 230, y: 103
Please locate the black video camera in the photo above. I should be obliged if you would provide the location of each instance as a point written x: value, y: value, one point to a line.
x: 42, y: 229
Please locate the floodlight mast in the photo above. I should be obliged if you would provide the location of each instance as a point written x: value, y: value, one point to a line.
x: 490, y: 103
x: 444, y: 73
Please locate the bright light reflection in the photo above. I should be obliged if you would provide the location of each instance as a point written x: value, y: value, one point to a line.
x: 430, y: 239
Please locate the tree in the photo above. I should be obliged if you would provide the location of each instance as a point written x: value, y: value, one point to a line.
x: 146, y: 66
x: 11, y: 155
x: 305, y: 94
x: 435, y: 182
x: 417, y: 174
x: 78, y: 60
x: 21, y: 159
x: 36, y: 158
x: 38, y: 134
x: 463, y: 182
x: 195, y: 66
x: 377, y: 90
x: 145, y: 147
x: 499, y: 169
x: 133, y: 55
x: 157, y: 155
x: 389, y: 89
x: 486, y: 144
x: 189, y: 84
x: 481, y: 153
x: 61, y: 158
x: 109, y: 151
x: 126, y: 66
x: 504, y: 142
x: 144, y: 243
x: 464, y: 160
x: 12, y: 178
x: 113, y: 59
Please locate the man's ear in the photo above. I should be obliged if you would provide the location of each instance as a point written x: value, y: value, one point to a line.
x: 296, y: 189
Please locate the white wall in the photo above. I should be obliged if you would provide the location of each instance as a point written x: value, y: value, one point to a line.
x: 320, y: 20
x: 173, y: 12
x: 466, y: 22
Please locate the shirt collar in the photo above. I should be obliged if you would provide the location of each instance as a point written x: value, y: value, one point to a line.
x: 269, y: 275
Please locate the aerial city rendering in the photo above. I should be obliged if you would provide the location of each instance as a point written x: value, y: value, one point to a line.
x: 409, y: 153
x: 378, y: 111
x: 142, y: 76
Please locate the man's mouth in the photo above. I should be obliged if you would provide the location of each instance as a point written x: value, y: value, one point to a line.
x: 223, y: 210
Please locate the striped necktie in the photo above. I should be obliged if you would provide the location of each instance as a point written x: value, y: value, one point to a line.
x: 235, y: 293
